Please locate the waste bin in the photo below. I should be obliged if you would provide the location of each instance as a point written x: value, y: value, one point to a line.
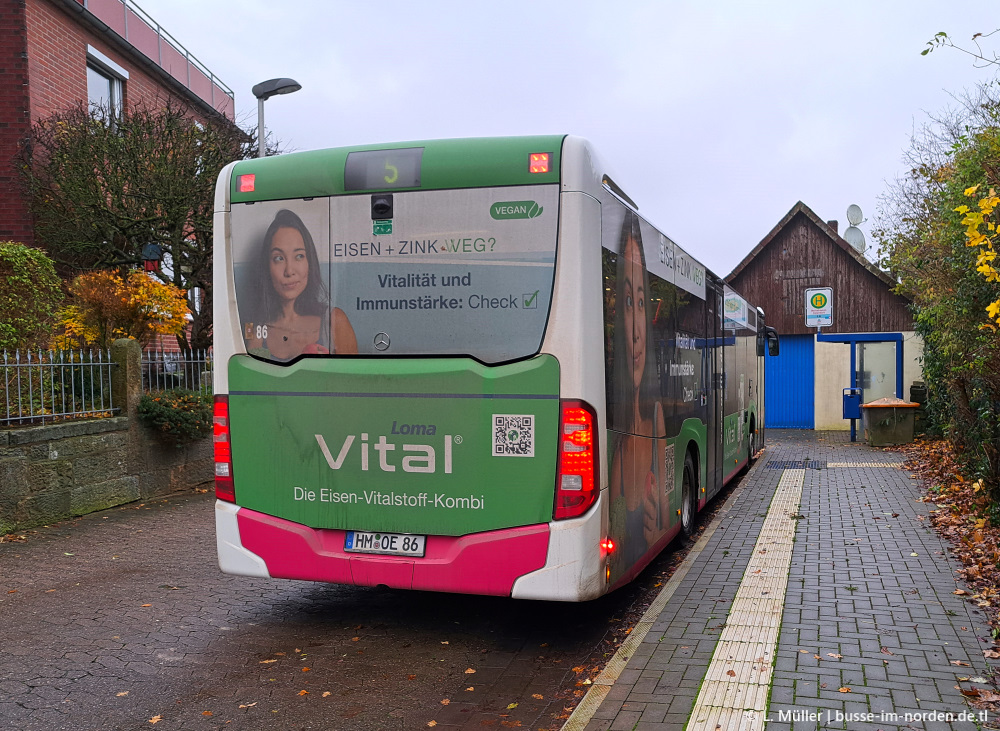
x: 888, y: 421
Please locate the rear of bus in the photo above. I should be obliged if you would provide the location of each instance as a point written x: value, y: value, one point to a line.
x: 402, y: 395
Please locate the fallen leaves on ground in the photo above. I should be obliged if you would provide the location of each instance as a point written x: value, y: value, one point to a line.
x: 981, y: 694
x: 958, y: 509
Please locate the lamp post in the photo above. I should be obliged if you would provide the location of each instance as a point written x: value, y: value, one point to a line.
x: 265, y: 90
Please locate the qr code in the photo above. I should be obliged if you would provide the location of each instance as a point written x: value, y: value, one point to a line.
x: 513, y: 435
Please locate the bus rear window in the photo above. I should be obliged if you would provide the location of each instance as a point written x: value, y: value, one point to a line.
x: 452, y: 272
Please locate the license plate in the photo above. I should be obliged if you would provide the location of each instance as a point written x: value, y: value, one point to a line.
x: 391, y: 544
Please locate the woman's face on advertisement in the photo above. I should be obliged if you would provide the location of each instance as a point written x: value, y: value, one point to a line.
x: 289, y: 264
x: 635, y: 311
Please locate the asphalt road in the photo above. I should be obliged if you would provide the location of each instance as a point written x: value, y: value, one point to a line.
x: 122, y: 620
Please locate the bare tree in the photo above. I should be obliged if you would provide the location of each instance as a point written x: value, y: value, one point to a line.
x: 102, y: 187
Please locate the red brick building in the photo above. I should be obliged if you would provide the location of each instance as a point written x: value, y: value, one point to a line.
x: 57, y: 53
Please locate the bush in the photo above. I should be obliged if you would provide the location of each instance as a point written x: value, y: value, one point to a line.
x: 30, y: 295
x: 111, y: 304
x: 179, y: 415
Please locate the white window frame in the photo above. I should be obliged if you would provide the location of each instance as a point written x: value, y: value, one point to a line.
x: 113, y: 72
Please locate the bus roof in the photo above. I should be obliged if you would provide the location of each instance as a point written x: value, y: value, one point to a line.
x: 473, y: 162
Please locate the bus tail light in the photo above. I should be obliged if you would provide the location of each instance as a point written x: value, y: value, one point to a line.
x: 224, y: 487
x: 576, y: 477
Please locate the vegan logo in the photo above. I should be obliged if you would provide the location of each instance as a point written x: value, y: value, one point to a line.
x: 515, y: 209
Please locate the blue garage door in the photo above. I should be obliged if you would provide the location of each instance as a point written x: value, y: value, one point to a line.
x: 789, y: 389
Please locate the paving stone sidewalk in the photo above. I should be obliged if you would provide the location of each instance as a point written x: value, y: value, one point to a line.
x: 869, y: 605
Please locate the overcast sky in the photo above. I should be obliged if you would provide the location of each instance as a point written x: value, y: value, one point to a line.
x: 716, y: 118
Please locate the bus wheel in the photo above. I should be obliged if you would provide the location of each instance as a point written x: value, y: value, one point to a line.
x: 752, y: 443
x: 689, y: 488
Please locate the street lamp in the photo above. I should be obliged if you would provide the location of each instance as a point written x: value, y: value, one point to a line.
x: 265, y: 90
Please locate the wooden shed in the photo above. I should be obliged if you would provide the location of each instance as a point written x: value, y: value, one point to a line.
x: 870, y: 344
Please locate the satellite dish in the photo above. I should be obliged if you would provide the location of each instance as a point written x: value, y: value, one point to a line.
x: 855, y: 216
x: 854, y: 236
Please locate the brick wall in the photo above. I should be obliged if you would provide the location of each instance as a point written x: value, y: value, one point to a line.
x: 57, y: 53
x: 15, y: 224
x: 57, y: 62
x: 43, y: 69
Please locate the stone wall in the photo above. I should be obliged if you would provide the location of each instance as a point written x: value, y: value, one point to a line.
x: 57, y: 471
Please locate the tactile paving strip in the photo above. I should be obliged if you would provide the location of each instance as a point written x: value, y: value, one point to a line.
x: 734, y: 692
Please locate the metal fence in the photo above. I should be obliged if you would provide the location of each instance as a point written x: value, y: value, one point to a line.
x: 44, y: 386
x: 162, y: 370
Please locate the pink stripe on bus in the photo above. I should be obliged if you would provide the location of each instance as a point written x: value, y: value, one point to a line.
x: 480, y: 563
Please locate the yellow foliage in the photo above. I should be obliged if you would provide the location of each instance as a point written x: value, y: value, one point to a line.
x: 107, y: 305
x: 993, y: 310
x: 975, y: 221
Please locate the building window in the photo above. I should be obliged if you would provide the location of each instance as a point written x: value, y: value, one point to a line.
x: 105, y: 82
x: 104, y: 91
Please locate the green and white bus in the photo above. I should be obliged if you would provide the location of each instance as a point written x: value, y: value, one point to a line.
x: 467, y: 366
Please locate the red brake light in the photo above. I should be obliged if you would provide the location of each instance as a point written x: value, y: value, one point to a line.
x: 247, y: 182
x: 224, y: 487
x: 538, y: 162
x: 576, y: 487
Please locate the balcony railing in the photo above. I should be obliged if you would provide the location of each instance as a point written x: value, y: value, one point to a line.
x: 141, y: 31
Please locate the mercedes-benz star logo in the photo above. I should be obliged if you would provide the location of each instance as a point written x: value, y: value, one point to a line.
x: 381, y: 341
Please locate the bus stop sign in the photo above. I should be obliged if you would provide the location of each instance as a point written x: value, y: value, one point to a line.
x: 819, y: 307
